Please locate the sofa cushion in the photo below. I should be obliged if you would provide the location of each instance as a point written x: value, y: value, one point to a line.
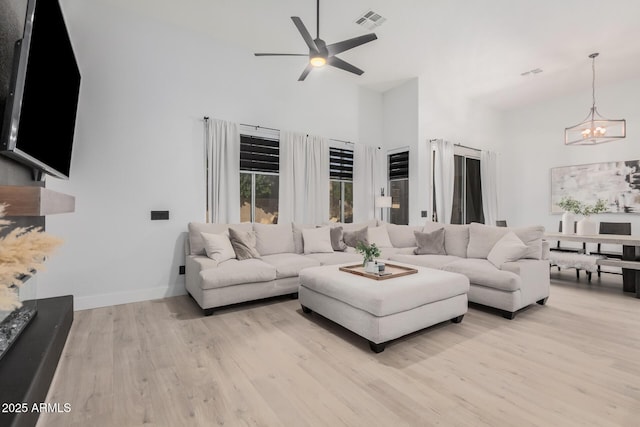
x: 509, y: 248
x: 298, y: 243
x: 289, y: 265
x: 196, y: 244
x: 336, y: 258
x: 387, y: 253
x: 234, y: 272
x: 431, y: 261
x: 379, y: 236
x: 430, y: 243
x: 352, y: 226
x: 274, y: 238
x: 482, y: 238
x: 317, y: 240
x: 337, y: 239
x: 351, y: 238
x: 244, y: 244
x: 402, y: 236
x: 482, y: 272
x: 218, y: 247
x: 456, y: 237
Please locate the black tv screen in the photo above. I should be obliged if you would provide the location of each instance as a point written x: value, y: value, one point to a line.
x: 40, y: 111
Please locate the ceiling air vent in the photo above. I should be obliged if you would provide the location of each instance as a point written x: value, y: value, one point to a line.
x: 370, y: 20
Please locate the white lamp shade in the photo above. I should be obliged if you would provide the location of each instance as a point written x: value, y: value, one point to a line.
x: 383, y: 202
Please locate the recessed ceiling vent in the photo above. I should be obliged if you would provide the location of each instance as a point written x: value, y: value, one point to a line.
x: 534, y: 71
x: 370, y: 20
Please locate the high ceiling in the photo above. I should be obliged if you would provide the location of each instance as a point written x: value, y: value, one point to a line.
x: 477, y: 47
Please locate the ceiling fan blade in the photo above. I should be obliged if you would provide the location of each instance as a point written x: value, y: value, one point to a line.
x: 344, y: 45
x: 343, y: 65
x: 305, y: 73
x: 281, y: 54
x: 305, y: 34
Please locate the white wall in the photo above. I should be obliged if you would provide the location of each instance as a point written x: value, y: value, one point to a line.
x: 444, y: 113
x: 400, y: 130
x: 535, y: 138
x: 139, y: 144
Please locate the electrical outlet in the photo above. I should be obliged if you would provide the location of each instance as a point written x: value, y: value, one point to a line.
x: 181, y: 269
x: 424, y: 214
x: 159, y: 215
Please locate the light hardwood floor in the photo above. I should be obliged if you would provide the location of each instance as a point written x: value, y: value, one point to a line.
x: 573, y: 362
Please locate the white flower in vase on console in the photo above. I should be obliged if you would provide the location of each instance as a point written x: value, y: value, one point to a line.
x: 570, y: 206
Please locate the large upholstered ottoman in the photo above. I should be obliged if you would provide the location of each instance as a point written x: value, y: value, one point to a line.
x: 383, y: 310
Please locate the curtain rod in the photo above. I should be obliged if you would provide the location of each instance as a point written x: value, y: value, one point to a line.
x: 278, y: 130
x: 459, y: 145
x: 206, y: 118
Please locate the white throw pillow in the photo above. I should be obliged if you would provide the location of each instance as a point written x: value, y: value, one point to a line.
x: 379, y: 236
x: 218, y: 247
x: 317, y: 240
x: 508, y: 248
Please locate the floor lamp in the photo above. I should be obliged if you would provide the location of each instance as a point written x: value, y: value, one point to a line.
x: 382, y: 202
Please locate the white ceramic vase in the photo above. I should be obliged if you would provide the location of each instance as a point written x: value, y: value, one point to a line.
x: 371, y: 267
x: 567, y: 223
x: 587, y: 227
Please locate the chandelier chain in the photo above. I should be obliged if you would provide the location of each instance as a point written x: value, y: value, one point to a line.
x: 593, y: 83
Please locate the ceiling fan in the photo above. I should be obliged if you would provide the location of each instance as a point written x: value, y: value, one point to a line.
x: 320, y: 53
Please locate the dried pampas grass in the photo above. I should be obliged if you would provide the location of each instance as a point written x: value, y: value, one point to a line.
x: 22, y: 252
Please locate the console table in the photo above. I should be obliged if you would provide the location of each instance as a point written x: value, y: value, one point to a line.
x: 630, y: 262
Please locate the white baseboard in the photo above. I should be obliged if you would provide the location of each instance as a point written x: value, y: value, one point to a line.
x: 105, y: 300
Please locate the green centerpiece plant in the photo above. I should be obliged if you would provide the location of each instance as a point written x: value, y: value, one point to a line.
x: 368, y: 251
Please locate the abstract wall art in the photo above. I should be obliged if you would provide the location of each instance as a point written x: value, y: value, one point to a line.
x: 618, y: 183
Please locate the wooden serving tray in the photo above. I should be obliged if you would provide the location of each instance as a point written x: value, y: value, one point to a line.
x: 395, y: 270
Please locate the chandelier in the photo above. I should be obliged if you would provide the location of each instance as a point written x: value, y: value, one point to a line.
x: 594, y: 129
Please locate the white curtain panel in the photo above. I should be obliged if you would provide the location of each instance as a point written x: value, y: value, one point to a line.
x: 317, y: 180
x: 368, y: 178
x: 223, y: 172
x: 444, y: 174
x: 291, y: 204
x: 489, y: 181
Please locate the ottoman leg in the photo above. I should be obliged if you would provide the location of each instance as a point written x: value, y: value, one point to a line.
x: 543, y: 301
x: 207, y: 311
x: 457, y: 319
x: 306, y: 310
x: 376, y: 348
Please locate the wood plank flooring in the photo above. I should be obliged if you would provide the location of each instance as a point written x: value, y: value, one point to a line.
x: 573, y: 362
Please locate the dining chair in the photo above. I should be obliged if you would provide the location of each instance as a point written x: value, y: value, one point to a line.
x: 622, y: 228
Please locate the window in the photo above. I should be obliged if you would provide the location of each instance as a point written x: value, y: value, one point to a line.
x: 467, y: 190
x: 259, y: 181
x: 340, y: 185
x: 399, y: 187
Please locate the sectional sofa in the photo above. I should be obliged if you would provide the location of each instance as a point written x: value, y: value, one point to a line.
x: 507, y: 283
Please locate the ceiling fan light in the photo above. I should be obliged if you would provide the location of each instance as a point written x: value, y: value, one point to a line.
x: 317, y: 61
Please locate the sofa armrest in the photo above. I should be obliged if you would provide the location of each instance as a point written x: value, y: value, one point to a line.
x: 535, y: 278
x: 546, y: 249
x: 194, y: 264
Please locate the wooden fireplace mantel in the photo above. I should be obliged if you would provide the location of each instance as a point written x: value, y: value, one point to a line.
x: 35, y: 201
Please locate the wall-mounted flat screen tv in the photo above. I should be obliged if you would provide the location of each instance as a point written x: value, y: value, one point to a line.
x: 40, y: 110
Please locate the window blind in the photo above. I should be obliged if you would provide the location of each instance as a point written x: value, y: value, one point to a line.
x: 340, y: 164
x: 399, y: 165
x: 259, y: 154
